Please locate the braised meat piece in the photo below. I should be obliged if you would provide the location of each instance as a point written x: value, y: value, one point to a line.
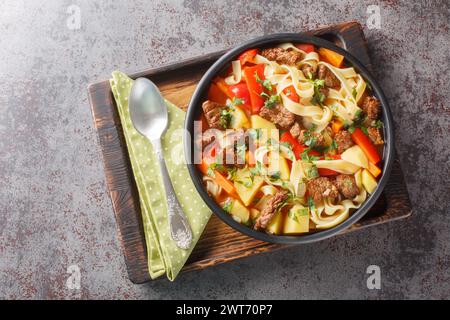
x: 278, y: 115
x: 282, y: 56
x: 272, y: 206
x: 308, y: 138
x: 308, y: 71
x: 343, y: 140
x: 212, y: 111
x: 375, y: 135
x: 320, y: 188
x: 295, y: 130
x: 371, y: 106
x: 330, y: 79
x: 346, y: 184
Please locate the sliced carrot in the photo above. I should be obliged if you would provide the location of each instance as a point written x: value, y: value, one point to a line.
x: 226, y: 184
x: 332, y: 57
x: 222, y: 181
x: 374, y: 170
x: 337, y: 125
x: 366, y: 145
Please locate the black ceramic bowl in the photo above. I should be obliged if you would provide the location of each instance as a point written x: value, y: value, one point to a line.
x: 194, y: 112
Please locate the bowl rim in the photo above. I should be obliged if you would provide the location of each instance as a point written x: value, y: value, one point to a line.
x: 194, y: 109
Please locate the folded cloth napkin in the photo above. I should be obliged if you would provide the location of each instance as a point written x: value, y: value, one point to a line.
x: 163, y: 255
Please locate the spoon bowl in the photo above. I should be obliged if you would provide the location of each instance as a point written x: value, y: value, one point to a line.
x: 148, y: 111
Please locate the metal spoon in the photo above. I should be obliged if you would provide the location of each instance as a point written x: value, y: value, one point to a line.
x: 149, y: 115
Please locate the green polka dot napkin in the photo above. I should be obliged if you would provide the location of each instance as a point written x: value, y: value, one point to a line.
x: 163, y: 255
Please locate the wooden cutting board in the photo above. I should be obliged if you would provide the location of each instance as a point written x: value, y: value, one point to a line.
x: 219, y: 243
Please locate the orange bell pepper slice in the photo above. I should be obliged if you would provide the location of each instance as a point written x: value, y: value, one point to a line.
x: 216, y: 94
x: 332, y: 57
x: 337, y: 125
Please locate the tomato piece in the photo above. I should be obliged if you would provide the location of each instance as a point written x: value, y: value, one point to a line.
x: 366, y: 145
x: 291, y: 94
x: 254, y: 87
x: 240, y: 91
x: 306, y: 47
x: 247, y: 56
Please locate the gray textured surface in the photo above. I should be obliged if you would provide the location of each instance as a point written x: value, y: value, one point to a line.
x: 54, y: 210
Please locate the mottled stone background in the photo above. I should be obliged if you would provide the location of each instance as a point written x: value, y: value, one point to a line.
x: 54, y: 209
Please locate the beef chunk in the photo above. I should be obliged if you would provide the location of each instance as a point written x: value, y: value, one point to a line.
x: 375, y: 135
x: 295, y: 130
x: 320, y: 188
x: 308, y: 71
x: 371, y: 106
x: 212, y: 114
x: 270, y: 209
x: 343, y: 140
x: 330, y: 79
x: 278, y: 115
x: 306, y: 137
x: 282, y: 56
x: 346, y: 184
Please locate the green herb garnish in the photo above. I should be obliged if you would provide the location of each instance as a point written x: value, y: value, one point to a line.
x: 225, y: 117
x: 266, y: 83
x: 227, y: 206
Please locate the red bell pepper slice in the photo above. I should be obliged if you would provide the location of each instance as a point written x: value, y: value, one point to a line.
x: 297, y: 148
x: 247, y: 56
x: 254, y: 87
x: 366, y: 145
x: 291, y: 94
x: 305, y: 47
x: 240, y: 91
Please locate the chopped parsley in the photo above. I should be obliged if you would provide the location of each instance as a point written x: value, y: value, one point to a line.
x: 225, y: 117
x: 227, y: 206
x: 378, y: 124
x: 274, y: 176
x: 255, y: 134
x: 333, y: 145
x: 240, y: 150
x: 312, y: 172
x: 311, y: 204
x: 354, y: 93
x: 236, y: 102
x: 266, y: 83
x: 318, y: 97
x: 295, y: 214
x: 271, y: 100
x: 257, y: 169
x: 306, y: 157
x: 364, y: 130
